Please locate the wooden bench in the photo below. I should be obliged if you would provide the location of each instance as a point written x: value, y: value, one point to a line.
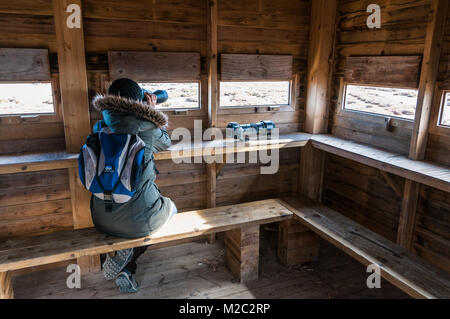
x: 240, y: 222
x: 403, y: 269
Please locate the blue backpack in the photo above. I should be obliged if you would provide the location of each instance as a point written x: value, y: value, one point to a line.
x: 110, y: 165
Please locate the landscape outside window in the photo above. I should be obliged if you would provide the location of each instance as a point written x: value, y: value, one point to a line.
x: 26, y: 98
x: 391, y: 102
x: 241, y: 94
x: 181, y: 95
x: 445, y: 115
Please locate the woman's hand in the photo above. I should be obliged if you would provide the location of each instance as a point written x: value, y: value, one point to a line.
x: 151, y: 99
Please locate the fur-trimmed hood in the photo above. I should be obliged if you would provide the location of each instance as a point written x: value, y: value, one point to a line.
x: 142, y: 110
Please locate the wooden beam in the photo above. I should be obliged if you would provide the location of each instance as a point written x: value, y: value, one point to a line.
x: 428, y: 75
x: 213, y: 93
x: 430, y: 67
x: 211, y: 185
x: 320, y: 65
x: 72, y: 77
x: 75, y: 105
x: 320, y: 59
x: 213, y: 98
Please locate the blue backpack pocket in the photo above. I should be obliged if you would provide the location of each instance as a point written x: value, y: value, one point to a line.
x: 110, y: 165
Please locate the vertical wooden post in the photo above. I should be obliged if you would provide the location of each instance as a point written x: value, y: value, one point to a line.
x: 295, y: 243
x: 212, y: 59
x: 320, y: 64
x: 75, y: 105
x: 428, y: 75
x: 212, y: 99
x: 6, y: 288
x: 242, y: 252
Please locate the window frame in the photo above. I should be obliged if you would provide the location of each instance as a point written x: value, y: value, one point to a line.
x: 380, y: 119
x: 343, y: 110
x: 173, y: 113
x: 247, y: 109
x: 55, y: 116
x: 441, y: 109
x: 436, y: 112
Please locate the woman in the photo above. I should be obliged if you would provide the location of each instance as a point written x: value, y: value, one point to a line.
x: 127, y: 109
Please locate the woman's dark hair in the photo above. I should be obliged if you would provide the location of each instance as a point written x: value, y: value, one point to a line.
x: 126, y: 88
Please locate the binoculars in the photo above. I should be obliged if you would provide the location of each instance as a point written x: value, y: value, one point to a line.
x: 245, y: 131
x: 161, y: 95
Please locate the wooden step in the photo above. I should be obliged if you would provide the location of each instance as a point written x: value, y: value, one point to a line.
x: 405, y: 270
x: 33, y: 251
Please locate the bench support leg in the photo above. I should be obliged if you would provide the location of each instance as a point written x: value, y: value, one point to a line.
x: 6, y: 288
x: 296, y: 243
x: 89, y: 264
x: 242, y: 252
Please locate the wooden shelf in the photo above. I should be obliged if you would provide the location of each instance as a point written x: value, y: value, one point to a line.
x: 10, y: 164
x: 32, y: 162
x: 227, y: 146
x: 423, y: 172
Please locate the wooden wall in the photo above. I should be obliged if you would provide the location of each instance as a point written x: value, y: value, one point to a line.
x: 38, y: 202
x: 248, y: 26
x: 365, y: 194
x: 402, y: 33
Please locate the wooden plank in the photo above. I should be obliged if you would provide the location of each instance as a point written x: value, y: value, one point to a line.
x: 10, y: 164
x: 423, y: 172
x: 396, y: 71
x: 6, y: 289
x: 213, y: 92
x: 320, y: 59
x: 28, y: 252
x: 405, y: 270
x: 255, y: 67
x: 428, y: 76
x: 242, y: 252
x: 154, y: 66
x: 18, y: 64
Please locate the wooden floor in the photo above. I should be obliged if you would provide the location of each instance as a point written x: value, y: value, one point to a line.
x: 197, y: 270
